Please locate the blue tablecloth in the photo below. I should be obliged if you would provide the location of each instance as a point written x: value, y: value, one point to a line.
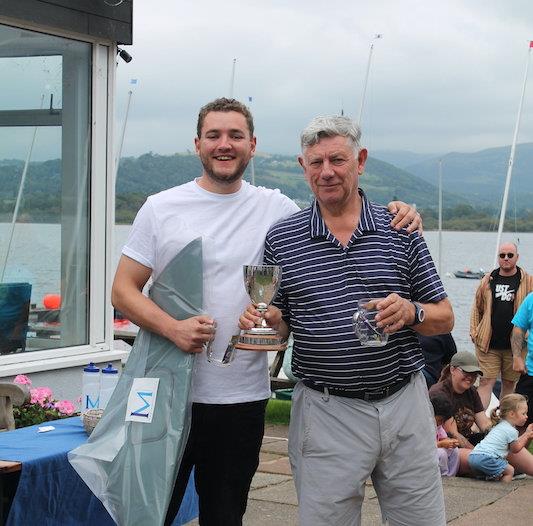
x: 50, y: 492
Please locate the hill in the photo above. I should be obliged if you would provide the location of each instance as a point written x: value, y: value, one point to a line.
x: 141, y: 176
x: 150, y: 173
x: 481, y: 175
x: 401, y: 158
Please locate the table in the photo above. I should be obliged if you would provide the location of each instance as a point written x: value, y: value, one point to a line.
x: 44, y: 324
x: 125, y: 330
x: 49, y: 491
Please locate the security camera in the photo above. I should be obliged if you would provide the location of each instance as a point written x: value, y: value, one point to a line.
x: 124, y: 55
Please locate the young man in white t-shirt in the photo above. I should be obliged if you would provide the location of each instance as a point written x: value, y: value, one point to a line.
x: 232, y: 217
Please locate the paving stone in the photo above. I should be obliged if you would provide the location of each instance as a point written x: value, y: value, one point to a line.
x: 371, y: 514
x: 276, y: 431
x: 370, y: 492
x: 464, y: 482
x: 264, y: 513
x: 268, y: 440
x: 514, y: 508
x: 276, y: 446
x: 284, y: 493
x: 262, y: 480
x: 279, y: 465
x: 264, y: 456
x: 459, y: 500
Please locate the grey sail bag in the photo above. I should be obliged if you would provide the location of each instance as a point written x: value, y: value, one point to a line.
x: 131, y: 466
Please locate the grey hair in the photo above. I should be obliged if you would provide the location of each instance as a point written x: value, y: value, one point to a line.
x: 330, y: 126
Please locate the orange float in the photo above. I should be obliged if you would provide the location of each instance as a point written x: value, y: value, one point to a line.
x: 52, y: 301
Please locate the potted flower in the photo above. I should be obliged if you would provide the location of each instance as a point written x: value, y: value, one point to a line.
x: 41, y: 407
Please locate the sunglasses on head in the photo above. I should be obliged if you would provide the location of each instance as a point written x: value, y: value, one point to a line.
x: 509, y: 255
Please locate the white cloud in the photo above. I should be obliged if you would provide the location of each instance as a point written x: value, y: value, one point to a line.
x: 446, y: 75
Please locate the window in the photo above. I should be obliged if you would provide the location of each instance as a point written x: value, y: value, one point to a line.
x: 46, y: 192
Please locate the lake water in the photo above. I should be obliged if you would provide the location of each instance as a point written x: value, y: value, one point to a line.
x: 37, y: 260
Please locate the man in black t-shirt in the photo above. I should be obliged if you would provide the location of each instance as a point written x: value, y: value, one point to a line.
x: 498, y: 296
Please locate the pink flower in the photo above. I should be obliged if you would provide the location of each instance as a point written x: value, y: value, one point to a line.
x: 41, y: 396
x: 65, y: 407
x: 22, y: 379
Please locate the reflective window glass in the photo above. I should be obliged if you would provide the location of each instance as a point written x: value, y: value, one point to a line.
x: 45, y: 118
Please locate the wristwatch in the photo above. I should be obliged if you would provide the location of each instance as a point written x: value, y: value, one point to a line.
x: 420, y: 314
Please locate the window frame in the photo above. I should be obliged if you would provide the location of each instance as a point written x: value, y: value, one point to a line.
x: 101, y: 218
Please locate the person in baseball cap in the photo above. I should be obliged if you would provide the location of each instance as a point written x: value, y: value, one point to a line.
x: 457, y: 383
x: 467, y: 362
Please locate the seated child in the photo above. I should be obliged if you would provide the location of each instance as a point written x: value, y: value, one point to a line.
x: 488, y: 458
x: 447, y: 450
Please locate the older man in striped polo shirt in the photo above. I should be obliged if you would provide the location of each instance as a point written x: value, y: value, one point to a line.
x: 358, y: 411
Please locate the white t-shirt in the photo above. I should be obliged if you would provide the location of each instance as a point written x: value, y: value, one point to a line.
x: 233, y: 229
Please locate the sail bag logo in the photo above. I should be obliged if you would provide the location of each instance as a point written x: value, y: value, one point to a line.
x: 141, y: 400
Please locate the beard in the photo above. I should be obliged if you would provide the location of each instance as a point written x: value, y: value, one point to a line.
x: 223, y: 177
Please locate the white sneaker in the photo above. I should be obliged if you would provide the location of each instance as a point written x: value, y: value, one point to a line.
x: 520, y: 476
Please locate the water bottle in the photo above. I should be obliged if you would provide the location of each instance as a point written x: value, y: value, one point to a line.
x: 90, y: 387
x: 108, y: 382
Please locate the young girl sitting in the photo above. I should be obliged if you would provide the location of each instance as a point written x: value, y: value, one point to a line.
x: 447, y: 450
x: 488, y: 458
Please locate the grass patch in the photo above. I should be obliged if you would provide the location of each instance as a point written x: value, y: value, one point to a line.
x: 278, y: 412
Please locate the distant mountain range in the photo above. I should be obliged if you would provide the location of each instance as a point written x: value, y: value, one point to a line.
x: 480, y: 176
x: 150, y: 173
x: 401, y: 158
x: 475, y: 179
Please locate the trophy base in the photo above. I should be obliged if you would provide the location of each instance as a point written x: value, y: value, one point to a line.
x: 261, y: 341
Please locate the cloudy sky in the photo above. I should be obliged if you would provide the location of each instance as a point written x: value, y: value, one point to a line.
x: 446, y: 76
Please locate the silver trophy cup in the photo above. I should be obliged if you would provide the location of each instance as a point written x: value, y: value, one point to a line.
x: 262, y: 283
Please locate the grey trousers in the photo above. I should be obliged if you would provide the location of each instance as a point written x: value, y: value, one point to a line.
x: 337, y: 443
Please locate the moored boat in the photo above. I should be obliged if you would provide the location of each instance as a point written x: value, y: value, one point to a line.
x: 469, y: 274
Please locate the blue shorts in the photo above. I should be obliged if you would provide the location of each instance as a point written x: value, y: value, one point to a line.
x: 491, y: 467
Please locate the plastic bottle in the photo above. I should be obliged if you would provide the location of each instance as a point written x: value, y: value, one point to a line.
x: 90, y: 387
x: 108, y: 382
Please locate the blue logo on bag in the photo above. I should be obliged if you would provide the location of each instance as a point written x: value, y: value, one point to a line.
x: 146, y: 406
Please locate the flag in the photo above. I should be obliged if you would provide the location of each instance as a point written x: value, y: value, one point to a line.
x: 531, y: 43
x: 133, y: 81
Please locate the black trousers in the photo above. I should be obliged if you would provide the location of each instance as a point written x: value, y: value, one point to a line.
x: 525, y: 387
x: 223, y: 447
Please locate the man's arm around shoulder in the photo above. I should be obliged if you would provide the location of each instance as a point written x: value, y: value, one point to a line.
x: 126, y: 295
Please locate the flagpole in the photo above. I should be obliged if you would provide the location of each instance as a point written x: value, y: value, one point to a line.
x: 232, y: 81
x: 365, y: 84
x: 511, y: 161
x: 440, y: 218
x: 252, y: 160
x: 123, y: 133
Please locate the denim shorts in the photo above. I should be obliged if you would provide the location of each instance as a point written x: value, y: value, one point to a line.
x: 491, y: 467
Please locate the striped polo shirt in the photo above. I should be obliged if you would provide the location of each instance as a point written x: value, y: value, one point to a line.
x: 322, y: 281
